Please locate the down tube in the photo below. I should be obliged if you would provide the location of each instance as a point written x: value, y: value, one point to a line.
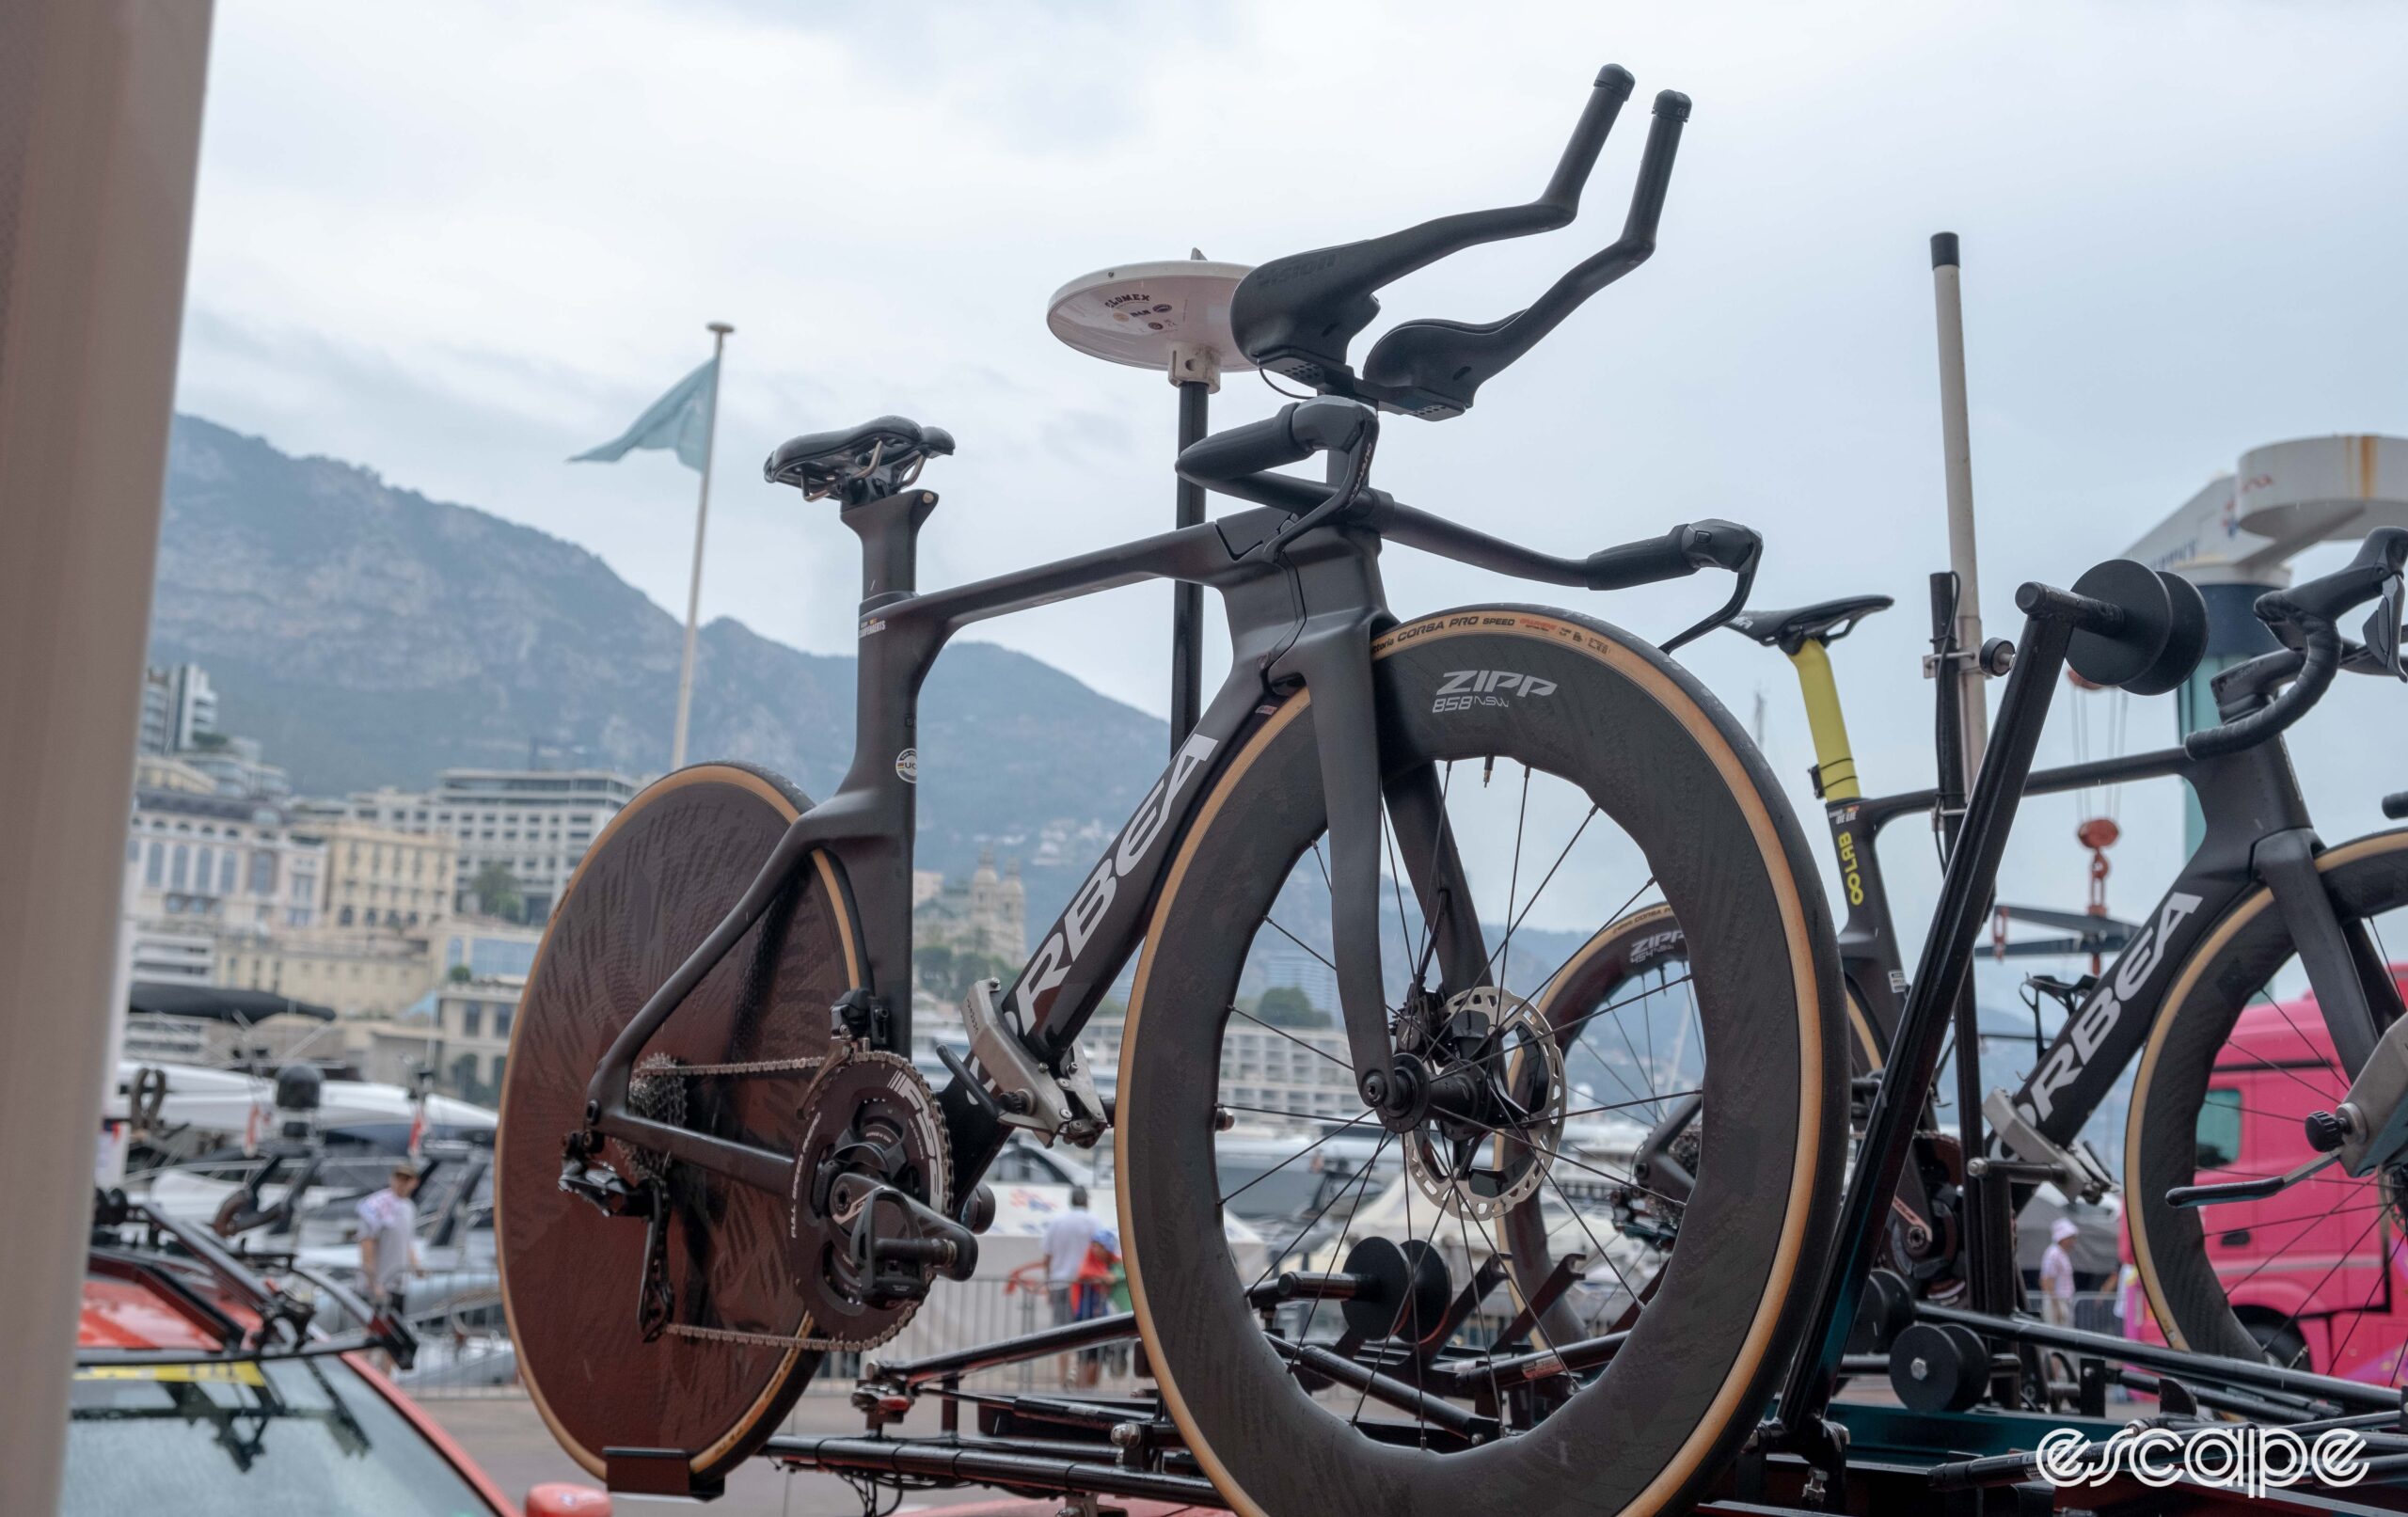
x: 2101, y: 1037
x: 1077, y: 959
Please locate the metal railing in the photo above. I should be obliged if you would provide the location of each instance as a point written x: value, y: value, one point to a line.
x: 465, y: 1348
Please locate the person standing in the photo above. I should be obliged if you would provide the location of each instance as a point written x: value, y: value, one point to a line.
x: 1068, y: 1238
x: 388, y: 1240
x: 2056, y: 1272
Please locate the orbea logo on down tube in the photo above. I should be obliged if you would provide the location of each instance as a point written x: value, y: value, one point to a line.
x: 2238, y: 1457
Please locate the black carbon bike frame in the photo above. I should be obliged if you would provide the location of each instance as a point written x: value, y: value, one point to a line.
x: 2257, y: 832
x: 1302, y: 610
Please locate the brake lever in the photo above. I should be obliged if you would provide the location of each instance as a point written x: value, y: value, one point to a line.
x: 1741, y: 556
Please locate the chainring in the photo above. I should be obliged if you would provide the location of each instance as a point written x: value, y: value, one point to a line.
x: 870, y: 1120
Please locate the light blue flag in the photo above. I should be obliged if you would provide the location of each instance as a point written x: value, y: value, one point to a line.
x: 679, y: 420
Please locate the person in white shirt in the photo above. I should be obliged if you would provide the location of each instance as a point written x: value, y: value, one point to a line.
x: 2056, y: 1272
x: 388, y: 1240
x: 1068, y: 1238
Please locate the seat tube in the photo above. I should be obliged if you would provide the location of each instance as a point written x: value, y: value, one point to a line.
x: 1834, y: 763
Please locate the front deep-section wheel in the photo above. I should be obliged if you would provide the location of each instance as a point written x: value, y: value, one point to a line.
x: 1490, y: 1310
x: 660, y: 877
x: 2236, y: 1060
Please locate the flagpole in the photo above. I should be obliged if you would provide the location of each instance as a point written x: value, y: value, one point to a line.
x: 694, y: 585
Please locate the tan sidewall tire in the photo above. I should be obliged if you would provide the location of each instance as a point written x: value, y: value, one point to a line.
x: 1696, y: 792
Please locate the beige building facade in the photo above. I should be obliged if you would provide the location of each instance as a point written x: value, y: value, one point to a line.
x: 357, y: 972
x: 382, y: 876
x: 466, y: 1042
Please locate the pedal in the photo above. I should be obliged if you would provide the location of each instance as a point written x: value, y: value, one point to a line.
x: 2076, y: 1171
x: 1026, y: 1095
x: 891, y: 1262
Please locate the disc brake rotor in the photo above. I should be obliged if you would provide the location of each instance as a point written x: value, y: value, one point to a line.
x: 1484, y: 1169
x: 873, y: 1128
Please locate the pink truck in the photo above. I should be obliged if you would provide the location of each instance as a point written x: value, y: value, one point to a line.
x: 2319, y: 1272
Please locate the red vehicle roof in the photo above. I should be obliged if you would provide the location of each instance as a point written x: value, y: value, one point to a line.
x: 126, y: 1306
x: 127, y: 1314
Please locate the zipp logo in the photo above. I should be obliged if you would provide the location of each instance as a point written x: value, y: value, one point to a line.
x: 1654, y: 943
x: 1465, y: 689
x: 2105, y: 1007
x: 1062, y: 947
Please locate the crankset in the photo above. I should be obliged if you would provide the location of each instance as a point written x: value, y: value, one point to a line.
x: 867, y: 1230
x: 866, y: 1235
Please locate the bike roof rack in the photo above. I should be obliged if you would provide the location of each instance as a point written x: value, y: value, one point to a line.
x: 1976, y: 1462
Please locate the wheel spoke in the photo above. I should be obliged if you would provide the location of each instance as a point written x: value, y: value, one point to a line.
x: 1361, y: 1182
x: 1562, y: 1028
x: 1514, y: 922
x: 1607, y: 1258
x: 1322, y: 1211
x: 1513, y: 880
x: 1643, y: 1100
x: 1273, y: 922
x: 2293, y: 1321
x: 1291, y: 1158
x: 1292, y: 1038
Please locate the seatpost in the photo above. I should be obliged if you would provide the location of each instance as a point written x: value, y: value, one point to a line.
x: 1941, y: 975
x: 890, y: 532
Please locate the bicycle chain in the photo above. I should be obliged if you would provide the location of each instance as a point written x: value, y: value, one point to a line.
x: 842, y: 1054
x: 740, y: 1338
x: 763, y: 1067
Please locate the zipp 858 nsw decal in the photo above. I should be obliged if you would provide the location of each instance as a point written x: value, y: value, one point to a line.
x: 1462, y: 690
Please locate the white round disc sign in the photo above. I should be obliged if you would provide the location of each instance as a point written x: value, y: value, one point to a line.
x: 1138, y: 313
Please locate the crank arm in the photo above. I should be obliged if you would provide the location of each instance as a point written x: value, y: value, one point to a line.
x: 939, y: 1242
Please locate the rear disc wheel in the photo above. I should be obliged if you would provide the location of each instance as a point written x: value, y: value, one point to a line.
x: 660, y: 877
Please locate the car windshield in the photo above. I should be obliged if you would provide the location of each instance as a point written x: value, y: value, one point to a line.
x: 293, y: 1438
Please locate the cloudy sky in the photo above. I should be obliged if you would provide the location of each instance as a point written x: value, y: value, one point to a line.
x: 458, y: 241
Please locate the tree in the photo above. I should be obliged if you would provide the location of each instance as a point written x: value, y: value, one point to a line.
x: 462, y: 974
x: 497, y: 892
x: 1283, y: 1006
x: 948, y: 973
x: 932, y: 964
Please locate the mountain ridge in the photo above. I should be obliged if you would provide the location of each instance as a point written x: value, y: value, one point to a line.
x: 369, y: 635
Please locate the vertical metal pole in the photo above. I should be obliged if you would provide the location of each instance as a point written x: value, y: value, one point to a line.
x: 1957, y: 452
x: 1187, y: 600
x: 100, y: 136
x: 1988, y: 1219
x: 694, y: 585
x: 1941, y: 976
